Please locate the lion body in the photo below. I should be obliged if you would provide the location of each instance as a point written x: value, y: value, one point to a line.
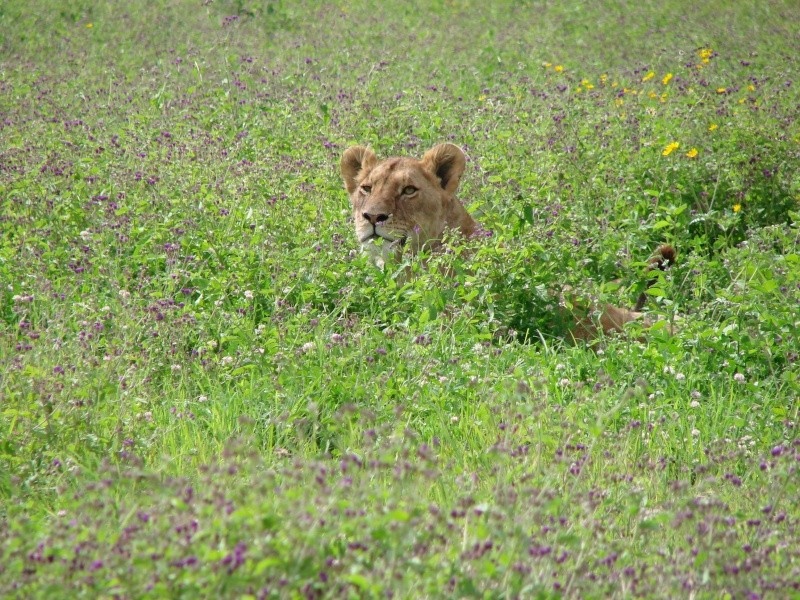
x: 403, y: 203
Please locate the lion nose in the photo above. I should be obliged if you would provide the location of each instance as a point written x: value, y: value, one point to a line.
x: 374, y: 219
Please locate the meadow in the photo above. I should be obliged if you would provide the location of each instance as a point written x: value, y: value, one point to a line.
x: 207, y: 391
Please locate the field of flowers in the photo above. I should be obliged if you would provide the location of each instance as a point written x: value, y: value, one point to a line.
x: 206, y: 390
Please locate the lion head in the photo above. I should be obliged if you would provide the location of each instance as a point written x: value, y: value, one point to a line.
x: 404, y: 202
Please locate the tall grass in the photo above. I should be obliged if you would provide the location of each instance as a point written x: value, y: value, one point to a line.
x: 208, y: 391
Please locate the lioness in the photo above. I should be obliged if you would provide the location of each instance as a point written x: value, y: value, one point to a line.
x: 410, y: 202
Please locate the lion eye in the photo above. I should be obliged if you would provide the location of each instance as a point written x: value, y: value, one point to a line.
x: 366, y: 189
x: 409, y: 190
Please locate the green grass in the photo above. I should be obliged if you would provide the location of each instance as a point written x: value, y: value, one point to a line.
x: 207, y: 391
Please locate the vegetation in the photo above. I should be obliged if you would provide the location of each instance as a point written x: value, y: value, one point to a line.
x: 208, y: 391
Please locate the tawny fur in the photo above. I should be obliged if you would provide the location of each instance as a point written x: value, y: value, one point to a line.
x: 404, y: 199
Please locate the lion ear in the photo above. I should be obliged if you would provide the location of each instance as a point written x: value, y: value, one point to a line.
x: 447, y: 162
x: 355, y: 160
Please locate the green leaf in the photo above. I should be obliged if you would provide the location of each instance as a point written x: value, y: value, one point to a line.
x: 358, y: 580
x: 379, y: 534
x: 527, y: 214
x: 399, y: 515
x: 767, y: 286
x: 265, y: 564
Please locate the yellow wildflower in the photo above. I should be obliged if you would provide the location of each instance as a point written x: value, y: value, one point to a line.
x: 603, y: 78
x: 619, y: 101
x: 669, y: 148
x: 649, y: 76
x: 663, y: 97
x: 721, y: 90
x: 558, y: 68
x: 713, y: 126
x: 737, y: 207
x: 751, y: 87
x: 547, y: 65
x: 705, y: 53
x: 667, y: 78
x: 652, y: 95
x: 481, y: 98
x: 89, y: 25
x: 692, y: 153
